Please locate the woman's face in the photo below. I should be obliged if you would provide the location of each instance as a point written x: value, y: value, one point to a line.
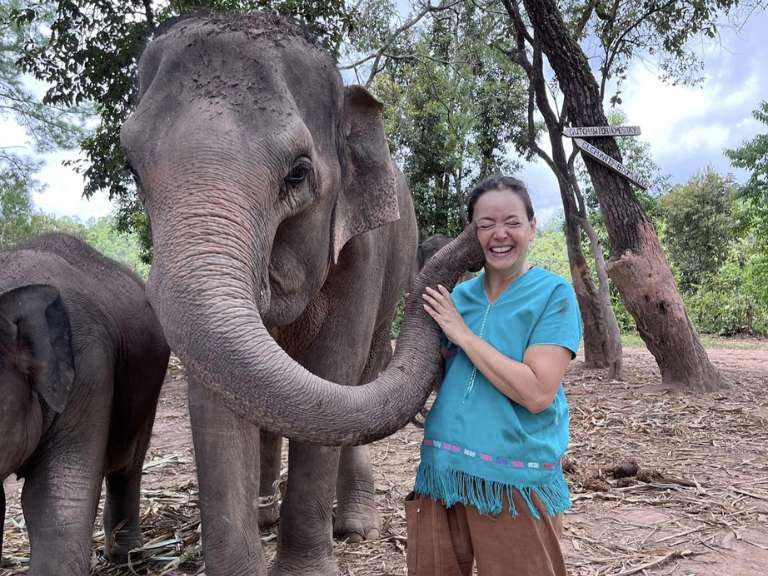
x: 503, y: 230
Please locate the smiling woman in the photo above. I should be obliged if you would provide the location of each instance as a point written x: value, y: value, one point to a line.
x: 490, y: 459
x: 506, y: 227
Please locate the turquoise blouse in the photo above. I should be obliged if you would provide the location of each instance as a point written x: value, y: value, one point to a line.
x: 478, y: 444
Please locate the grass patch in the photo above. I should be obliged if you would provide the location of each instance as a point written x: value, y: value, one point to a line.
x: 633, y: 340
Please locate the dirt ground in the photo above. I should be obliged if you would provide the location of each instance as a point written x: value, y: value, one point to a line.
x: 697, y: 505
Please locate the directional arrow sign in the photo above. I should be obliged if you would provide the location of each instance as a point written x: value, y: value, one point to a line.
x: 597, y: 131
x: 606, y: 160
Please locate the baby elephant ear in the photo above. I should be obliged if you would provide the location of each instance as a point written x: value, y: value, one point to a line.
x: 368, y: 198
x: 43, y: 340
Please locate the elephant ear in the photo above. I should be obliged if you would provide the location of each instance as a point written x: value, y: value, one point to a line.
x: 368, y: 198
x: 43, y: 338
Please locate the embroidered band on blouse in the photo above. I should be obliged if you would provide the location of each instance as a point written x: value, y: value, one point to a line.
x: 487, y: 457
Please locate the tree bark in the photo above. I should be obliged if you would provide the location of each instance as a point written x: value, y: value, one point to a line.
x: 611, y: 340
x: 637, y: 264
x: 602, y: 340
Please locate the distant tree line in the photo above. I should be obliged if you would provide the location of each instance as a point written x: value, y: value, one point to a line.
x: 714, y: 235
x: 19, y: 221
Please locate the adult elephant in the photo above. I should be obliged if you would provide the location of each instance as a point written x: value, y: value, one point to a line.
x: 282, y: 236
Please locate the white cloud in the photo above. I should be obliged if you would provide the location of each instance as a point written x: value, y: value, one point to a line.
x: 12, y: 135
x: 63, y: 192
x: 680, y: 121
x: 689, y: 126
x: 543, y: 188
x: 706, y: 137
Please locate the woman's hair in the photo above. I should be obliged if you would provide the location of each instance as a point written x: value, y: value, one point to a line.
x: 499, y: 182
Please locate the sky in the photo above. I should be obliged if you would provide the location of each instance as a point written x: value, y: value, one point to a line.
x: 687, y: 127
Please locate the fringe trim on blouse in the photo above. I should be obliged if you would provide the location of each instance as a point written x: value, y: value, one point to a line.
x: 487, y: 496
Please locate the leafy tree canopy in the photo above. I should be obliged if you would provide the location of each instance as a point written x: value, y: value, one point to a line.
x: 91, y: 55
x: 753, y: 156
x: 47, y: 127
x: 616, y: 31
x: 700, y: 226
x: 455, y: 113
x: 15, y: 206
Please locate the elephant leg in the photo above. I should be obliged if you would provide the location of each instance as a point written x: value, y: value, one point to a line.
x: 271, y: 452
x: 130, y: 434
x: 305, y: 545
x: 63, y: 481
x: 227, y: 458
x: 122, y: 532
x: 356, y: 517
x: 59, y: 510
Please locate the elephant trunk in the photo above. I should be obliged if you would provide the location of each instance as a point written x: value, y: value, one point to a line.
x: 209, y: 308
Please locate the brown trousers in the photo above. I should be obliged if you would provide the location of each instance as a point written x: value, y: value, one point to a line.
x: 446, y: 541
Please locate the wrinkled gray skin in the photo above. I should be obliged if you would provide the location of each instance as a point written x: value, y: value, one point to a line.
x: 426, y: 250
x: 82, y: 359
x: 283, y: 235
x: 431, y: 246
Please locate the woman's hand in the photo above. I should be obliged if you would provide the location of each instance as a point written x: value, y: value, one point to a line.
x: 440, y: 307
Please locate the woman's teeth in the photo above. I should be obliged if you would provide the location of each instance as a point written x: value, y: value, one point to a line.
x: 501, y: 249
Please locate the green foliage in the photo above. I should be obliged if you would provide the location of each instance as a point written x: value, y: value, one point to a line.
x: 91, y: 56
x: 397, y: 320
x: 15, y: 206
x: 19, y: 222
x: 549, y: 251
x: 124, y: 247
x: 699, y: 225
x: 454, y: 110
x: 716, y: 245
x: 753, y: 156
x: 735, y: 299
x: 47, y: 127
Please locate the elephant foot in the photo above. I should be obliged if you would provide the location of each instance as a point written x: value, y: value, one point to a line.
x: 357, y: 523
x: 312, y: 567
x: 269, y: 514
x: 119, y: 547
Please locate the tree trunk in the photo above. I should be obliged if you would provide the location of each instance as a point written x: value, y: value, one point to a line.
x: 637, y: 264
x: 602, y: 340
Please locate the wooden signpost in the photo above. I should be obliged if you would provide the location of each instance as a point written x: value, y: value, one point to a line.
x: 592, y: 131
x: 599, y: 155
x: 614, y: 165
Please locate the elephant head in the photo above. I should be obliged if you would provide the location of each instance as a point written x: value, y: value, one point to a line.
x: 257, y: 166
x: 36, y: 369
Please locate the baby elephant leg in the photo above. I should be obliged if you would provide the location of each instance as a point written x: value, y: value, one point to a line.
x: 59, y: 500
x: 122, y: 532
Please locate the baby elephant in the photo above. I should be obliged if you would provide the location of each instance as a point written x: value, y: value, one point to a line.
x: 82, y: 359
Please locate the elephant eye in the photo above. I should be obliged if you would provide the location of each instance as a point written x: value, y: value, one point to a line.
x: 299, y: 172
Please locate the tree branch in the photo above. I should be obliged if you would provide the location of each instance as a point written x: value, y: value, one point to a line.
x: 514, y: 13
x: 612, y: 49
x: 407, y: 25
x: 581, y: 24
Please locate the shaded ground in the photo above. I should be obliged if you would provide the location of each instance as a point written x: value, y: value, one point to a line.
x: 697, y: 506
